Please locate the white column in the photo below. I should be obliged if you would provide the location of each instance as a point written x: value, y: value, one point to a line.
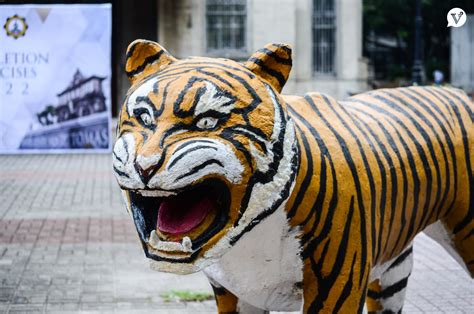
x: 303, y: 50
x: 349, y: 38
x: 462, y: 55
x: 272, y: 21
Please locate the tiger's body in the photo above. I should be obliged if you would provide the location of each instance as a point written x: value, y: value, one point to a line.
x: 323, y: 198
x: 387, y: 179
x: 400, y: 159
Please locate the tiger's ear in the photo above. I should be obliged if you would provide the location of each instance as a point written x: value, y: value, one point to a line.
x: 145, y: 57
x: 271, y: 63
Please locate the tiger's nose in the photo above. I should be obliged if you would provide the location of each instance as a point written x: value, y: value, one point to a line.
x: 146, y: 165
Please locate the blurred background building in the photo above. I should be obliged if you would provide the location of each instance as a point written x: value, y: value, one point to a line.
x: 66, y: 241
x: 326, y: 36
x: 340, y: 47
x: 389, y: 42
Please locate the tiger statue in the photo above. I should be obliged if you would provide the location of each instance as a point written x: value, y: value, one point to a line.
x: 290, y: 202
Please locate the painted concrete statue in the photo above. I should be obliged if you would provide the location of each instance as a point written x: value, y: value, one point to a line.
x: 289, y: 202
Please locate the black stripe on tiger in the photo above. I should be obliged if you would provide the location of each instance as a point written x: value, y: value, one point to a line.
x: 355, y: 176
x: 145, y: 58
x: 200, y: 167
x: 399, y: 160
x: 439, y: 200
x: 272, y: 63
x: 326, y: 282
x: 146, y: 62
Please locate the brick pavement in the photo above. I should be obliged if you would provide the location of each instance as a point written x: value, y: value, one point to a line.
x: 67, y: 245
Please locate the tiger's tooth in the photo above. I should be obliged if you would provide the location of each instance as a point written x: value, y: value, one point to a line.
x: 156, y: 193
x: 168, y: 246
x: 154, y: 240
x: 187, y: 244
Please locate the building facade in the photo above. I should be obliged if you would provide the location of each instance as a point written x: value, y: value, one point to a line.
x: 84, y: 96
x: 326, y: 36
x: 79, y: 121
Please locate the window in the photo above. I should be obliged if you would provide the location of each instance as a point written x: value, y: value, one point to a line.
x: 226, y: 26
x: 324, y: 37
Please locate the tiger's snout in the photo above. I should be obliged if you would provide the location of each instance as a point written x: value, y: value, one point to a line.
x: 147, y: 166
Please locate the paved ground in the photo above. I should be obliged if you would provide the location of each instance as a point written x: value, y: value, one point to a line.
x: 67, y: 245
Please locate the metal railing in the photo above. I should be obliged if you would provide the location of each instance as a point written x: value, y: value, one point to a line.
x: 226, y: 26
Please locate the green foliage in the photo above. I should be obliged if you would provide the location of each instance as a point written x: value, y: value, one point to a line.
x: 396, y: 19
x: 397, y: 71
x: 186, y: 296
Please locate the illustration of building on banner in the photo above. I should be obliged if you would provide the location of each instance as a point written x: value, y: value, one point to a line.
x: 80, y: 120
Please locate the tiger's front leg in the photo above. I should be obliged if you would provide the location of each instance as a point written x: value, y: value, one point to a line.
x: 227, y: 302
x: 341, y: 290
x: 387, y: 293
x: 336, y: 267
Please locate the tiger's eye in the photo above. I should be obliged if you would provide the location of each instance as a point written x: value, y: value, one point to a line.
x: 207, y: 123
x: 146, y: 118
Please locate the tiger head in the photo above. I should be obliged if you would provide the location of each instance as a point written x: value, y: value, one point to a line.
x: 205, y: 150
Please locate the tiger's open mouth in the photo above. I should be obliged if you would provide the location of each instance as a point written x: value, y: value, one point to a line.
x: 176, y: 224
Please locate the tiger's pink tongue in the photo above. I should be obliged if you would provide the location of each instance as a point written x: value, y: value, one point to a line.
x: 179, y: 215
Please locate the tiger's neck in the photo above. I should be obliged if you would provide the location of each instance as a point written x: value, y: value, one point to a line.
x: 307, y: 171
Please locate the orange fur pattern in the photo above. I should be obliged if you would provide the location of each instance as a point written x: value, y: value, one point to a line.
x: 357, y: 179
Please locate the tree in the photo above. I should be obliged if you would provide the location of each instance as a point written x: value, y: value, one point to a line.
x: 395, y: 19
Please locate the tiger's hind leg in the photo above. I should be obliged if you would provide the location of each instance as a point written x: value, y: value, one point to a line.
x: 387, y: 293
